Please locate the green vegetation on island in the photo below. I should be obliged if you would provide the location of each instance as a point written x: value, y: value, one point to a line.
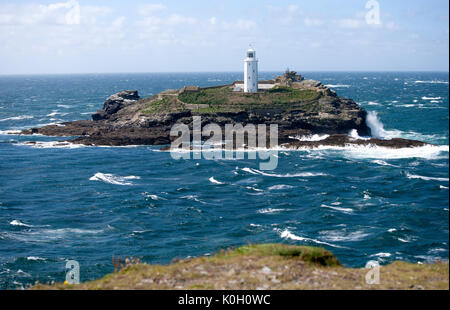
x: 224, y: 99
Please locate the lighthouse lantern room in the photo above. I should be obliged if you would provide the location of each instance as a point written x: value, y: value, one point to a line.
x: 251, y: 72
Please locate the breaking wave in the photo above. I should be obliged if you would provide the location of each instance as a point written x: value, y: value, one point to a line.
x: 414, y: 176
x: 113, y: 179
x: 269, y: 210
x: 15, y: 118
x: 288, y: 175
x: 286, y: 234
x: 18, y: 223
x: 214, y: 181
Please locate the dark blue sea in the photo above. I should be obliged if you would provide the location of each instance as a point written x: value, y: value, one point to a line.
x: 59, y: 203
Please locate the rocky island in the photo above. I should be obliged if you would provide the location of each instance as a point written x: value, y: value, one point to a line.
x: 301, y: 108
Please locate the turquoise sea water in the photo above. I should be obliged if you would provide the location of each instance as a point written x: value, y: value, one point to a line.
x: 90, y: 203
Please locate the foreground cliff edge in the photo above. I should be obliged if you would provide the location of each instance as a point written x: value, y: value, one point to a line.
x: 269, y: 267
x: 301, y: 108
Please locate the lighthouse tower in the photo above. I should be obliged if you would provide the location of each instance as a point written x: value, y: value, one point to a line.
x: 251, y: 72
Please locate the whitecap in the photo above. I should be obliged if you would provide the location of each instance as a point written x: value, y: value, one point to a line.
x: 431, y: 98
x: 269, y: 211
x: 193, y: 197
x: 255, y: 225
x: 315, y: 137
x: 382, y: 254
x: 254, y: 189
x: 382, y: 163
x: 54, y: 113
x: 10, y: 132
x: 51, y: 145
x: 35, y: 258
x: 14, y: 118
x: 342, y: 235
x: 113, y: 179
x: 414, y: 176
x: 337, y: 85
x: 344, y: 210
x: 154, y: 197
x: 280, y: 187
x: 378, y: 152
x: 18, y: 223
x: 286, y: 234
x: 303, y: 174
x: 214, y: 181
x: 431, y: 82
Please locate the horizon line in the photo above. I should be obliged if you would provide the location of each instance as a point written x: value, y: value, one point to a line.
x: 206, y: 72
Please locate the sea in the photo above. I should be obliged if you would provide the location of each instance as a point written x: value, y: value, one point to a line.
x: 90, y: 204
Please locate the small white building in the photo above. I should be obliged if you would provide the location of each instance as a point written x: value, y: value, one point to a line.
x: 251, y: 72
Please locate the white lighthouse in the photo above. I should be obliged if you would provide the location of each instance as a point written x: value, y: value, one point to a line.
x: 251, y: 72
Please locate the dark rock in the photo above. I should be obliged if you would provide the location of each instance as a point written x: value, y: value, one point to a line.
x: 115, y: 103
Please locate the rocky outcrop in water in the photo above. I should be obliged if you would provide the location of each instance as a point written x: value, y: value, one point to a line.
x: 116, y: 102
x: 299, y: 106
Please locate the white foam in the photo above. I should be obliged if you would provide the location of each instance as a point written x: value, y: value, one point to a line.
x: 52, y: 144
x: 378, y: 152
x: 154, y: 197
x: 255, y: 225
x: 214, y: 181
x: 280, y: 187
x: 18, y: 223
x: 65, y: 106
x: 193, y: 197
x: 286, y: 234
x: 443, y: 187
x: 342, y: 235
x: 414, y: 176
x: 373, y: 103
x: 269, y: 211
x: 382, y: 254
x: 382, y: 163
x: 344, y: 210
x: 376, y: 126
x: 431, y: 98
x: 338, y: 85
x: 113, y: 179
x: 303, y: 174
x: 14, y: 118
x: 431, y: 82
x: 254, y: 189
x: 315, y: 137
x: 10, y: 132
x: 35, y: 258
x: 54, y: 113
x: 355, y: 136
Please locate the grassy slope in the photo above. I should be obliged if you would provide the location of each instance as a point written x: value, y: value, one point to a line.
x: 267, y: 266
x: 223, y: 99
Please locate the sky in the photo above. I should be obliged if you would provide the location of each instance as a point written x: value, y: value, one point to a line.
x: 108, y: 36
